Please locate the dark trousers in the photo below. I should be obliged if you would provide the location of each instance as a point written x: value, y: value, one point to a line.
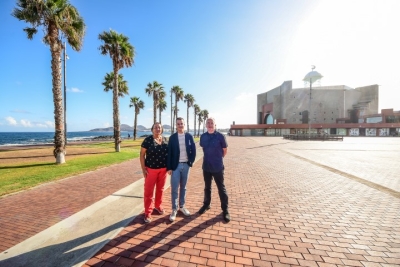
x: 219, y: 180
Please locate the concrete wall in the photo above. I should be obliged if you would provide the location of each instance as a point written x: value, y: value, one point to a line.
x: 273, y: 96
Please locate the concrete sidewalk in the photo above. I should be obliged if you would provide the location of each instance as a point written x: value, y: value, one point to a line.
x: 291, y: 203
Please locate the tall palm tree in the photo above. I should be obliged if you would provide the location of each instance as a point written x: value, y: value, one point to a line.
x: 189, y: 100
x: 162, y: 105
x: 196, y: 110
x: 178, y: 92
x: 205, y: 117
x: 58, y: 19
x: 121, y: 52
x: 138, y: 104
x: 154, y: 89
x: 200, y: 119
x: 108, y: 84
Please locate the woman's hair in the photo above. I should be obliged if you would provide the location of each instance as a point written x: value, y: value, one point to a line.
x: 152, y: 127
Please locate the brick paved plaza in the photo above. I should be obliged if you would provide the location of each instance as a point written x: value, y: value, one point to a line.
x: 292, y: 204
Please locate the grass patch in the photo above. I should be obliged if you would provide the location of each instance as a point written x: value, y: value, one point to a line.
x: 33, y: 170
x: 23, y: 168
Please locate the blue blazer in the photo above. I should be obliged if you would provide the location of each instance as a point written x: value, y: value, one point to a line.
x: 173, y: 151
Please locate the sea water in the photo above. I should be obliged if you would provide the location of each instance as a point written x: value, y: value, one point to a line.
x: 37, y: 138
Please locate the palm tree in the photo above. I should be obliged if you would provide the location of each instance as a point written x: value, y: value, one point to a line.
x: 189, y: 100
x: 162, y: 105
x: 138, y: 104
x: 205, y: 117
x: 154, y: 89
x: 200, y: 119
x: 58, y: 19
x: 196, y: 111
x: 178, y: 96
x: 122, y: 84
x: 121, y: 53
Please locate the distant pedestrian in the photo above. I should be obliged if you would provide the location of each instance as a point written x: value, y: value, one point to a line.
x: 215, y: 147
x: 181, y: 155
x: 153, y: 159
x: 129, y: 136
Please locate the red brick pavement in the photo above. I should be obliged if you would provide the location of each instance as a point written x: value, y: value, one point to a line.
x: 27, y: 213
x: 285, y: 212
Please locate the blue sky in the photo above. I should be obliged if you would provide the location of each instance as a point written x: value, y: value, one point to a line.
x: 223, y: 52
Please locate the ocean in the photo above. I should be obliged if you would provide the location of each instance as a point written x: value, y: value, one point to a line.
x: 37, y: 138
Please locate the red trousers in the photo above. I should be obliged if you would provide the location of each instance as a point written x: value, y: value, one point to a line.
x: 155, y: 179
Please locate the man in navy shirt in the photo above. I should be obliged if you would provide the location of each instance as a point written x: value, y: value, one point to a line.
x: 215, y: 148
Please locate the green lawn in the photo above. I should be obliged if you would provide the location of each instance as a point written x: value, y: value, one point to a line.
x: 17, y: 177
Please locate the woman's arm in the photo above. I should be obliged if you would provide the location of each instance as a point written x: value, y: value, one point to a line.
x: 142, y: 159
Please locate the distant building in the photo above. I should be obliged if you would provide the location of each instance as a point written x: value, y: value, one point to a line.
x: 335, y: 109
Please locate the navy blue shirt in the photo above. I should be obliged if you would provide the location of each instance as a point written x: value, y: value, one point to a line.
x: 213, y: 145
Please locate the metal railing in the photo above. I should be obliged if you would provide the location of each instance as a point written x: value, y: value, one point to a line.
x: 319, y: 137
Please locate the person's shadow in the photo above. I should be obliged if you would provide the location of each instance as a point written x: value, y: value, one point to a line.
x: 74, y: 251
x: 144, y: 251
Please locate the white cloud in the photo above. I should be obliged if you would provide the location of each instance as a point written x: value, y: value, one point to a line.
x: 11, y: 121
x: 75, y: 90
x: 26, y: 123
x: 46, y: 124
x: 106, y: 124
x: 49, y: 124
x: 245, y: 97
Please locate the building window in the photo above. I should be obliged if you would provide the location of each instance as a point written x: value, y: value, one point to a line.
x: 299, y: 113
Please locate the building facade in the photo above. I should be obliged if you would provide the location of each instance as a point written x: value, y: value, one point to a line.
x: 336, y: 109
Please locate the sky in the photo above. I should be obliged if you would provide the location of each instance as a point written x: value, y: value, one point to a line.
x: 223, y: 52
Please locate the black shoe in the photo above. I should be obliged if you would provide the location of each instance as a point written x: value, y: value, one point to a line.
x: 203, y: 209
x: 227, y: 217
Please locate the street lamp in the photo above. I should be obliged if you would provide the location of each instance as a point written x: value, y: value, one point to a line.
x: 311, y: 77
x: 65, y: 92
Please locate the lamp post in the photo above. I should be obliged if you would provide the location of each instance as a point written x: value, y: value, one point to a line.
x: 65, y: 92
x: 311, y: 77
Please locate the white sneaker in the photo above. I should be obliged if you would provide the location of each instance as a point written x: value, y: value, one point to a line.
x: 172, y: 217
x: 185, y: 211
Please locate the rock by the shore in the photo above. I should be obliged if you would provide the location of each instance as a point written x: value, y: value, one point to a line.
x: 103, y: 137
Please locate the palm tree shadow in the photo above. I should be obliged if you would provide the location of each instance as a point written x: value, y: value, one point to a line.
x: 27, y: 166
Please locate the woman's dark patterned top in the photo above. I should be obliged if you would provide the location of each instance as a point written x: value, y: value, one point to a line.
x: 156, y: 154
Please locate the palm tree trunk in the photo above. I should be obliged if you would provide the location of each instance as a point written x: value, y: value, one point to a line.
x: 59, y: 140
x: 159, y: 117
x: 134, y: 126
x: 187, y: 116
x: 194, y: 133
x: 117, y: 131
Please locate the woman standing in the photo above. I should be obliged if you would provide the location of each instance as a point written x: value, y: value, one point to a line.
x: 153, y: 159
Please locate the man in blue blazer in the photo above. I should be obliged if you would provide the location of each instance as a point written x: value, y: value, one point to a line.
x: 181, y: 155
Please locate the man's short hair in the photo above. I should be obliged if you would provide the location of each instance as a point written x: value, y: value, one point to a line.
x: 211, y: 118
x: 180, y: 118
